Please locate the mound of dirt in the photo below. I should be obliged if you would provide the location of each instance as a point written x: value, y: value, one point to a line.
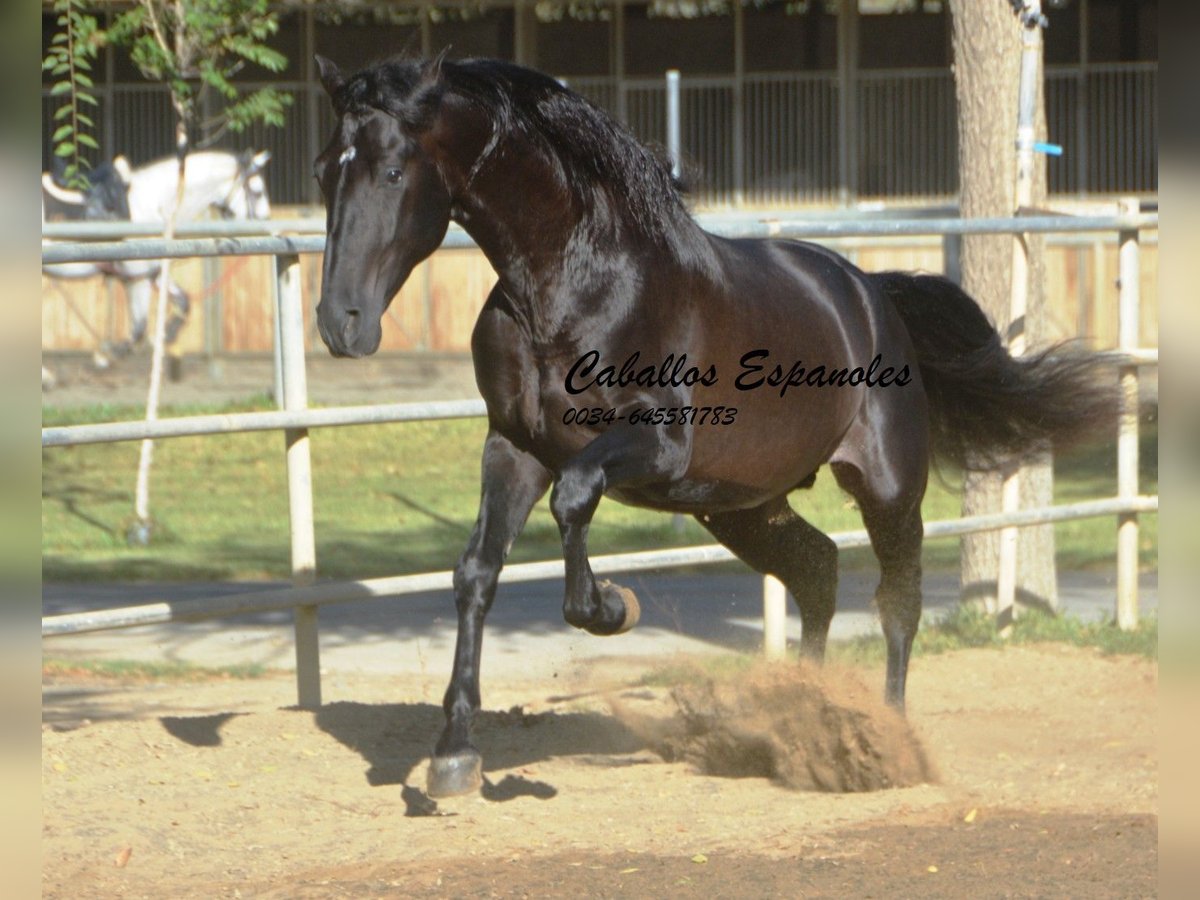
x: 806, y: 728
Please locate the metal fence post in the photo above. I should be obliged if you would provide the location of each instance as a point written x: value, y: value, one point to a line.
x: 277, y: 338
x: 774, y: 618
x: 214, y: 312
x: 674, y: 144
x: 290, y: 315
x: 1129, y: 283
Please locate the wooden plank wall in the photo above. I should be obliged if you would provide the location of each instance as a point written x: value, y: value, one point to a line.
x: 436, y: 308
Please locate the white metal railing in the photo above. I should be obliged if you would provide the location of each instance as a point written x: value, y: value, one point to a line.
x: 265, y: 239
x: 295, y: 420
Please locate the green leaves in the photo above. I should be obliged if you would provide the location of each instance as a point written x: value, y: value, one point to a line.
x: 186, y: 44
x: 69, y: 60
x: 266, y: 105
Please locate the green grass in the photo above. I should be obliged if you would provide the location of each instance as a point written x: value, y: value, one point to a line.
x: 401, y: 498
x: 140, y: 670
x: 965, y: 628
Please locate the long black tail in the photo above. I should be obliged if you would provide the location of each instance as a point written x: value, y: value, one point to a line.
x: 985, y: 406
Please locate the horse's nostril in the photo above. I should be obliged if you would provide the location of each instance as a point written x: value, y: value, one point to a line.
x: 350, y: 325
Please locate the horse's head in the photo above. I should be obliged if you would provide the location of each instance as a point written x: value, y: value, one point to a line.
x: 108, y: 195
x: 247, y: 197
x: 105, y: 197
x: 387, y: 206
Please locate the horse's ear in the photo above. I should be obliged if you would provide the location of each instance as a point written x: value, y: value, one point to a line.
x: 121, y: 166
x: 258, y: 161
x: 433, y: 68
x: 331, y: 76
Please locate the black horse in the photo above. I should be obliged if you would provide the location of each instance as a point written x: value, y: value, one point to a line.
x: 626, y: 352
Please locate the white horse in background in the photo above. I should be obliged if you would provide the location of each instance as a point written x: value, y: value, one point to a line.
x: 231, y: 185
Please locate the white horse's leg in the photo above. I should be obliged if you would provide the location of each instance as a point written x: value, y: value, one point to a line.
x: 76, y: 272
x: 178, y: 315
x: 139, y: 292
x: 176, y: 319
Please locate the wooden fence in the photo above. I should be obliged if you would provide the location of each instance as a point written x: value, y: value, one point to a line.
x: 437, y: 307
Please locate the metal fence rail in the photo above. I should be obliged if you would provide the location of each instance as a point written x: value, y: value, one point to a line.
x: 374, y: 588
x: 296, y: 419
x: 724, y: 224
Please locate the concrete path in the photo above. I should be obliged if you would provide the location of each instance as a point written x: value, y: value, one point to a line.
x: 525, y: 636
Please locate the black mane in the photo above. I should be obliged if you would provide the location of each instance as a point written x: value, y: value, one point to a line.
x: 589, y: 149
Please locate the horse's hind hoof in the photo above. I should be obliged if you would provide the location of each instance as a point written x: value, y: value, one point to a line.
x: 613, y: 594
x: 453, y: 776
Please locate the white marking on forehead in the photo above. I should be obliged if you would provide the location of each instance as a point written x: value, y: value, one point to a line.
x: 348, y: 154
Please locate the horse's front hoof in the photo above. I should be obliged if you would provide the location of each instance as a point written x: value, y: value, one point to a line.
x: 453, y: 776
x: 614, y: 597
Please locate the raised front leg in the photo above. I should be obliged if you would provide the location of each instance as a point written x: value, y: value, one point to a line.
x: 620, y: 457
x: 513, y: 481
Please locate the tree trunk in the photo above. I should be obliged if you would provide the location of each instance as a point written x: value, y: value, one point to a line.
x: 987, y: 54
x: 142, y: 530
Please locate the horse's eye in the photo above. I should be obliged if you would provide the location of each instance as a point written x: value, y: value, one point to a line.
x: 393, y: 176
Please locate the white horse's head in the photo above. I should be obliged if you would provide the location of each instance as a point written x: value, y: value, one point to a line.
x: 247, y: 198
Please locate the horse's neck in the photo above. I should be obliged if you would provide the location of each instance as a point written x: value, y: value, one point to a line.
x: 560, y: 255
x: 526, y: 249
x: 207, y: 180
x: 554, y: 249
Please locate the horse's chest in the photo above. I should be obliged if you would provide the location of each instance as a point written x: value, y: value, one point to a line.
x: 532, y: 411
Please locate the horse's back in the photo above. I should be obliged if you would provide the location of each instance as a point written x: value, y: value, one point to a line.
x: 796, y: 272
x: 207, y: 179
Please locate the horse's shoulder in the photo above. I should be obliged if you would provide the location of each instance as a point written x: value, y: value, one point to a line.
x: 500, y: 338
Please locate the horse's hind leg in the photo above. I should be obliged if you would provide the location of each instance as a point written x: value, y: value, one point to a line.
x: 513, y: 481
x: 138, y: 291
x: 180, y: 308
x: 773, y: 540
x: 893, y: 521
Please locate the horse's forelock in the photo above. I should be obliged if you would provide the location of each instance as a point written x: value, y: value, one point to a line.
x: 399, y: 88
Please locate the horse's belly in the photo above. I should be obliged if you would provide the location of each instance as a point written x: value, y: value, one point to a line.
x: 696, y: 495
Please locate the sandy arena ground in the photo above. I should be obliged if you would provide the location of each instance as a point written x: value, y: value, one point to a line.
x: 1047, y: 785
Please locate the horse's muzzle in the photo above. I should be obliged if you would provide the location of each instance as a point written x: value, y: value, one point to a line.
x: 346, y: 331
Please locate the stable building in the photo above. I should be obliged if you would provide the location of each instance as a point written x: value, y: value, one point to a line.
x: 783, y: 102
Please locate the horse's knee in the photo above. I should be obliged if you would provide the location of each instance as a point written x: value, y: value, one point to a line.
x: 575, y: 496
x: 180, y: 300
x: 475, y: 581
